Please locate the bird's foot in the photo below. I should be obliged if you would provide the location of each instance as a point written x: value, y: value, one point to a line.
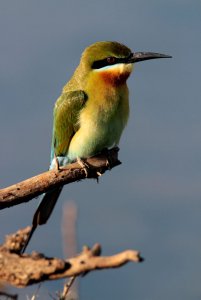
x: 84, y: 165
x: 106, y: 152
x: 99, y: 174
x: 86, y: 168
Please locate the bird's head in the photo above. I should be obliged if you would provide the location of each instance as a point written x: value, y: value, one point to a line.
x: 112, y: 61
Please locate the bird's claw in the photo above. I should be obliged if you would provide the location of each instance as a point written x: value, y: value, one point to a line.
x: 99, y: 174
x: 108, y: 164
x: 84, y: 165
x: 108, y: 160
x: 86, y: 168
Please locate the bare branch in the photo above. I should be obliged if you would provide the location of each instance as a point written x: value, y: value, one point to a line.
x: 28, y: 189
x: 24, y: 270
x: 67, y: 287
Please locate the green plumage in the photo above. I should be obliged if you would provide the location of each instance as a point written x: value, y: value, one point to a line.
x: 91, y: 112
x: 66, y: 117
x: 89, y: 116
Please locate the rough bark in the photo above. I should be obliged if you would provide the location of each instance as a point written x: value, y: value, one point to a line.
x: 24, y: 270
x: 28, y: 189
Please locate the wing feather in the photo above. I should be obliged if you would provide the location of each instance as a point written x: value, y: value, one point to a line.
x: 66, y: 120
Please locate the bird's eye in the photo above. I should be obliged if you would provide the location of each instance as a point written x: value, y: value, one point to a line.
x: 111, y: 60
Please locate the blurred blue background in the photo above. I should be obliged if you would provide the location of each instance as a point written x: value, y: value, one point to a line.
x: 152, y: 201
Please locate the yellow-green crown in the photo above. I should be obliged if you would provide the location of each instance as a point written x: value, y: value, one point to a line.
x: 101, y: 50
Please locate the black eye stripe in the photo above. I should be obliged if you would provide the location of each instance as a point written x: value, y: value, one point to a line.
x: 108, y: 61
x: 102, y: 63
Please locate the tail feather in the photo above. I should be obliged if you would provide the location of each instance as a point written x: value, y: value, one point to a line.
x: 46, y: 207
x: 43, y: 212
x: 28, y: 239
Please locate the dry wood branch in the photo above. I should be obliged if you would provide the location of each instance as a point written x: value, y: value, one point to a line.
x: 33, y: 187
x: 24, y: 270
x: 15, y: 242
x: 67, y: 286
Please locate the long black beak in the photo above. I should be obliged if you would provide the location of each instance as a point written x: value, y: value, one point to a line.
x: 140, y: 56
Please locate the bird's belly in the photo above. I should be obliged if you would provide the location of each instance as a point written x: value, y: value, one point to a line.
x: 93, y: 137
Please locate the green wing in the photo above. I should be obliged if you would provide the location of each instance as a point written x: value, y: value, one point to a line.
x: 65, y: 124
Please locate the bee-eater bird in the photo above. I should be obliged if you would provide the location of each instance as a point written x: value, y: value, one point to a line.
x: 91, y: 112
